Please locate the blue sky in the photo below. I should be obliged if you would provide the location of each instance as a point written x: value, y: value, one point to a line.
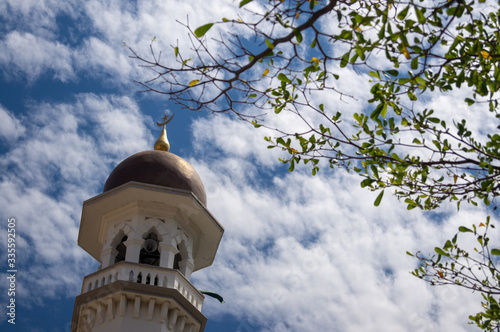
x: 299, y: 253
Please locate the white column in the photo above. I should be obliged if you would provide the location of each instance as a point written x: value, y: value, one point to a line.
x: 167, y: 254
x: 186, y: 267
x: 108, y: 257
x: 133, y: 250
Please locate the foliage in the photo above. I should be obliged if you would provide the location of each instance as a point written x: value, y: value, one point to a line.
x: 476, y: 270
x: 288, y: 51
x: 289, y: 56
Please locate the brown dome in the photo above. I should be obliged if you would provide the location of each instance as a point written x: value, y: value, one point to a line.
x: 160, y: 168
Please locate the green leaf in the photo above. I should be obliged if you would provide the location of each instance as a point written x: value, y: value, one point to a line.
x: 392, y: 72
x: 379, y: 198
x: 244, y: 2
x: 201, y: 31
x: 440, y: 252
x: 384, y: 111
x: 381, y: 109
x: 345, y: 60
x: 469, y: 101
x: 402, y: 14
x: 464, y: 229
x: 495, y: 252
x: 414, y: 63
x: 420, y: 15
x: 298, y: 36
x: 269, y: 44
x: 375, y: 74
x: 366, y: 182
x: 283, y: 78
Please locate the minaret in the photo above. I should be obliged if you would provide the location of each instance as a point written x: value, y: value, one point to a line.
x: 149, y: 229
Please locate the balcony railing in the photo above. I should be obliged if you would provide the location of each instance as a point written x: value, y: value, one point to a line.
x: 144, y: 274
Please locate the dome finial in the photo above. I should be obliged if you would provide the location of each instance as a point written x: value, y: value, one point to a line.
x: 162, y: 141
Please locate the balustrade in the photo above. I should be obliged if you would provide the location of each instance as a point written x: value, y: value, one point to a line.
x: 144, y: 274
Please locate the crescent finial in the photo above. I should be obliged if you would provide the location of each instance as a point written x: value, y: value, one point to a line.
x: 162, y: 143
x: 165, y: 120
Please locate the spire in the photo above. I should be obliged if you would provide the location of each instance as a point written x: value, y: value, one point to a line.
x: 162, y: 141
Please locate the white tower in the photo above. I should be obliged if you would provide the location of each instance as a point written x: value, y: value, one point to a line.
x: 149, y: 229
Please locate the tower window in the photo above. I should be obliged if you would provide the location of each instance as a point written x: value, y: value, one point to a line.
x: 177, y: 259
x: 149, y: 253
x: 122, y: 250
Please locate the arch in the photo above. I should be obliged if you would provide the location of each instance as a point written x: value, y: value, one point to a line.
x: 139, y: 278
x: 96, y: 284
x: 110, y: 279
x: 183, y: 252
x: 184, y: 249
x: 153, y: 225
x: 148, y: 279
x: 156, y: 280
x: 165, y: 282
x: 184, y: 245
x: 89, y: 287
x: 183, y: 261
x: 103, y: 281
x: 177, y: 259
x: 131, y: 276
x: 120, y: 247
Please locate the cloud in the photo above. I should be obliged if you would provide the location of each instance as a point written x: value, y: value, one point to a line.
x: 310, y: 253
x: 300, y: 253
x: 48, y: 173
x: 37, y: 17
x: 29, y: 56
x: 70, y: 39
x: 11, y: 128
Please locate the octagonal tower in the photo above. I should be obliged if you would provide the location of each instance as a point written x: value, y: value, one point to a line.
x: 149, y: 229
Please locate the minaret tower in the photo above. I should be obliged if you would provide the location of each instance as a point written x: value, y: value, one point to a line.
x: 149, y: 229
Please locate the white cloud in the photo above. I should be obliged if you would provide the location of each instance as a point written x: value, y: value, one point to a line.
x: 29, y: 56
x: 312, y: 253
x: 94, y: 43
x: 37, y: 17
x: 10, y: 127
x: 48, y: 173
x: 300, y: 253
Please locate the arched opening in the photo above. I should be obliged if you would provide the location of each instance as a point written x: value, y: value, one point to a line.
x: 156, y: 280
x: 121, y: 250
x: 150, y: 254
x: 181, y: 256
x: 177, y: 259
x: 139, y: 278
x: 148, y: 279
x: 131, y: 276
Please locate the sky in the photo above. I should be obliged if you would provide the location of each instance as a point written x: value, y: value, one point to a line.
x: 299, y: 253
